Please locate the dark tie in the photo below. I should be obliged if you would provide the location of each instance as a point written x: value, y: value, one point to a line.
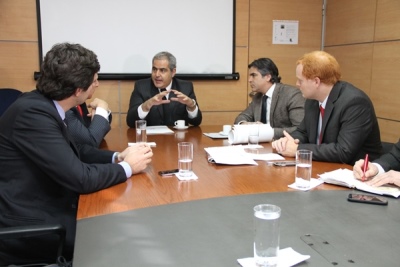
x: 163, y: 90
x: 322, y: 111
x: 264, y: 109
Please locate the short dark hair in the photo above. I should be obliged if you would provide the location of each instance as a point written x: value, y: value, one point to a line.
x: 266, y: 66
x: 65, y: 68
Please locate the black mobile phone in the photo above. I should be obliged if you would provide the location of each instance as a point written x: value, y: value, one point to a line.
x: 285, y: 163
x: 361, y: 198
x: 168, y: 172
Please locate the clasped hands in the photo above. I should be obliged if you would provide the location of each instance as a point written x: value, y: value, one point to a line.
x: 286, y: 146
x: 371, y: 174
x: 138, y: 156
x: 158, y: 100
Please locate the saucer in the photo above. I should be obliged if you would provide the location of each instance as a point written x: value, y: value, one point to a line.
x: 224, y: 134
x: 181, y: 128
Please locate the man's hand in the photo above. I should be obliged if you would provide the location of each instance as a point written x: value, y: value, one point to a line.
x: 358, y: 170
x: 155, y: 101
x: 390, y: 177
x: 138, y: 156
x: 286, y: 146
x: 97, y: 102
x: 184, y: 99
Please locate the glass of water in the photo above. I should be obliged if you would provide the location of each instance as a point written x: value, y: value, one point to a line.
x: 185, y: 158
x: 303, y: 168
x: 140, y: 126
x: 266, y: 235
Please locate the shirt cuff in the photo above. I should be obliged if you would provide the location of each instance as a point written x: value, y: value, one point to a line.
x: 102, y: 112
x: 142, y: 114
x: 193, y: 114
x: 127, y: 168
x: 380, y: 169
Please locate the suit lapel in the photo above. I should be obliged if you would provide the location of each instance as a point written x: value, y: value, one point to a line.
x: 274, y: 100
x: 330, y: 105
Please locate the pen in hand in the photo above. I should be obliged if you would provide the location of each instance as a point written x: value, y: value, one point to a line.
x: 365, y: 167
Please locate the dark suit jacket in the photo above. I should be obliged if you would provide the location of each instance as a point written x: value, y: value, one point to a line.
x: 42, y: 174
x: 391, y: 160
x: 165, y: 114
x: 350, y: 128
x: 286, y: 112
x: 84, y: 129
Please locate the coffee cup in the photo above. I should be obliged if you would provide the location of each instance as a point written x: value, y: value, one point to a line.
x: 226, y: 129
x: 180, y: 123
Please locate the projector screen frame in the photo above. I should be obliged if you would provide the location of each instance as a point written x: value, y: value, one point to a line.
x: 135, y: 76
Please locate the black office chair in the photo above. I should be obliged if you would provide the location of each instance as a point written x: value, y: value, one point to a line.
x: 7, y: 97
x: 38, y: 230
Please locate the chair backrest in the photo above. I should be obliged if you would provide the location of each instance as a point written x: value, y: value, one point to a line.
x: 7, y: 97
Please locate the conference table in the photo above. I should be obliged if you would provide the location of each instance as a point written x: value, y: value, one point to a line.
x: 161, y: 221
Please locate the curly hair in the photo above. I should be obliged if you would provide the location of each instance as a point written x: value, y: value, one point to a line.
x: 65, y: 68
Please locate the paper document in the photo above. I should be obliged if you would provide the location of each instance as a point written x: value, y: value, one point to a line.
x: 313, y: 183
x: 345, y: 177
x: 150, y: 144
x: 286, y: 257
x: 216, y: 135
x: 230, y: 155
x: 158, y: 129
x: 238, y: 155
x: 240, y: 133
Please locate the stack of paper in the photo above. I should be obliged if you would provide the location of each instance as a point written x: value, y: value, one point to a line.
x: 345, y: 177
x: 158, y: 129
x: 237, y: 155
x: 240, y: 133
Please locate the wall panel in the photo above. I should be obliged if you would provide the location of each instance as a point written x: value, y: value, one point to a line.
x: 386, y: 80
x: 18, y: 62
x: 262, y: 14
x: 349, y: 22
x: 387, y: 20
x: 355, y: 63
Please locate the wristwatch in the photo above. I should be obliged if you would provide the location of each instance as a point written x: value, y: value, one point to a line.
x: 194, y: 103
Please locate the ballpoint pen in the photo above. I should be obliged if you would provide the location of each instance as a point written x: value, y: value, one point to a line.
x: 365, y: 167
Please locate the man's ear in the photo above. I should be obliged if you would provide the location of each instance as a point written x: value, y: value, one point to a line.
x: 173, y: 72
x: 78, y: 91
x: 317, y: 81
x: 268, y: 77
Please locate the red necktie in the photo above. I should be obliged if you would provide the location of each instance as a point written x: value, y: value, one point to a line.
x: 322, y: 111
x: 79, y: 110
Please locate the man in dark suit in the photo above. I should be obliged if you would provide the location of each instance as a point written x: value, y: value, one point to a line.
x: 163, y: 99
x: 89, y: 127
x: 282, y: 104
x: 339, y: 123
x: 42, y: 171
x: 385, y: 170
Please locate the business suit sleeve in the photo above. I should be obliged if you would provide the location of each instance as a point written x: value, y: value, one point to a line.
x: 350, y: 130
x: 138, y: 97
x: 391, y: 160
x: 189, y: 91
x: 43, y: 139
x: 289, y: 111
x: 93, y: 134
x: 248, y: 114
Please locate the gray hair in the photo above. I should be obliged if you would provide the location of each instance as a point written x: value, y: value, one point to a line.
x: 168, y: 56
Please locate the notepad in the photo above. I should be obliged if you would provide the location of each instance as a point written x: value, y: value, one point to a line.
x: 345, y: 177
